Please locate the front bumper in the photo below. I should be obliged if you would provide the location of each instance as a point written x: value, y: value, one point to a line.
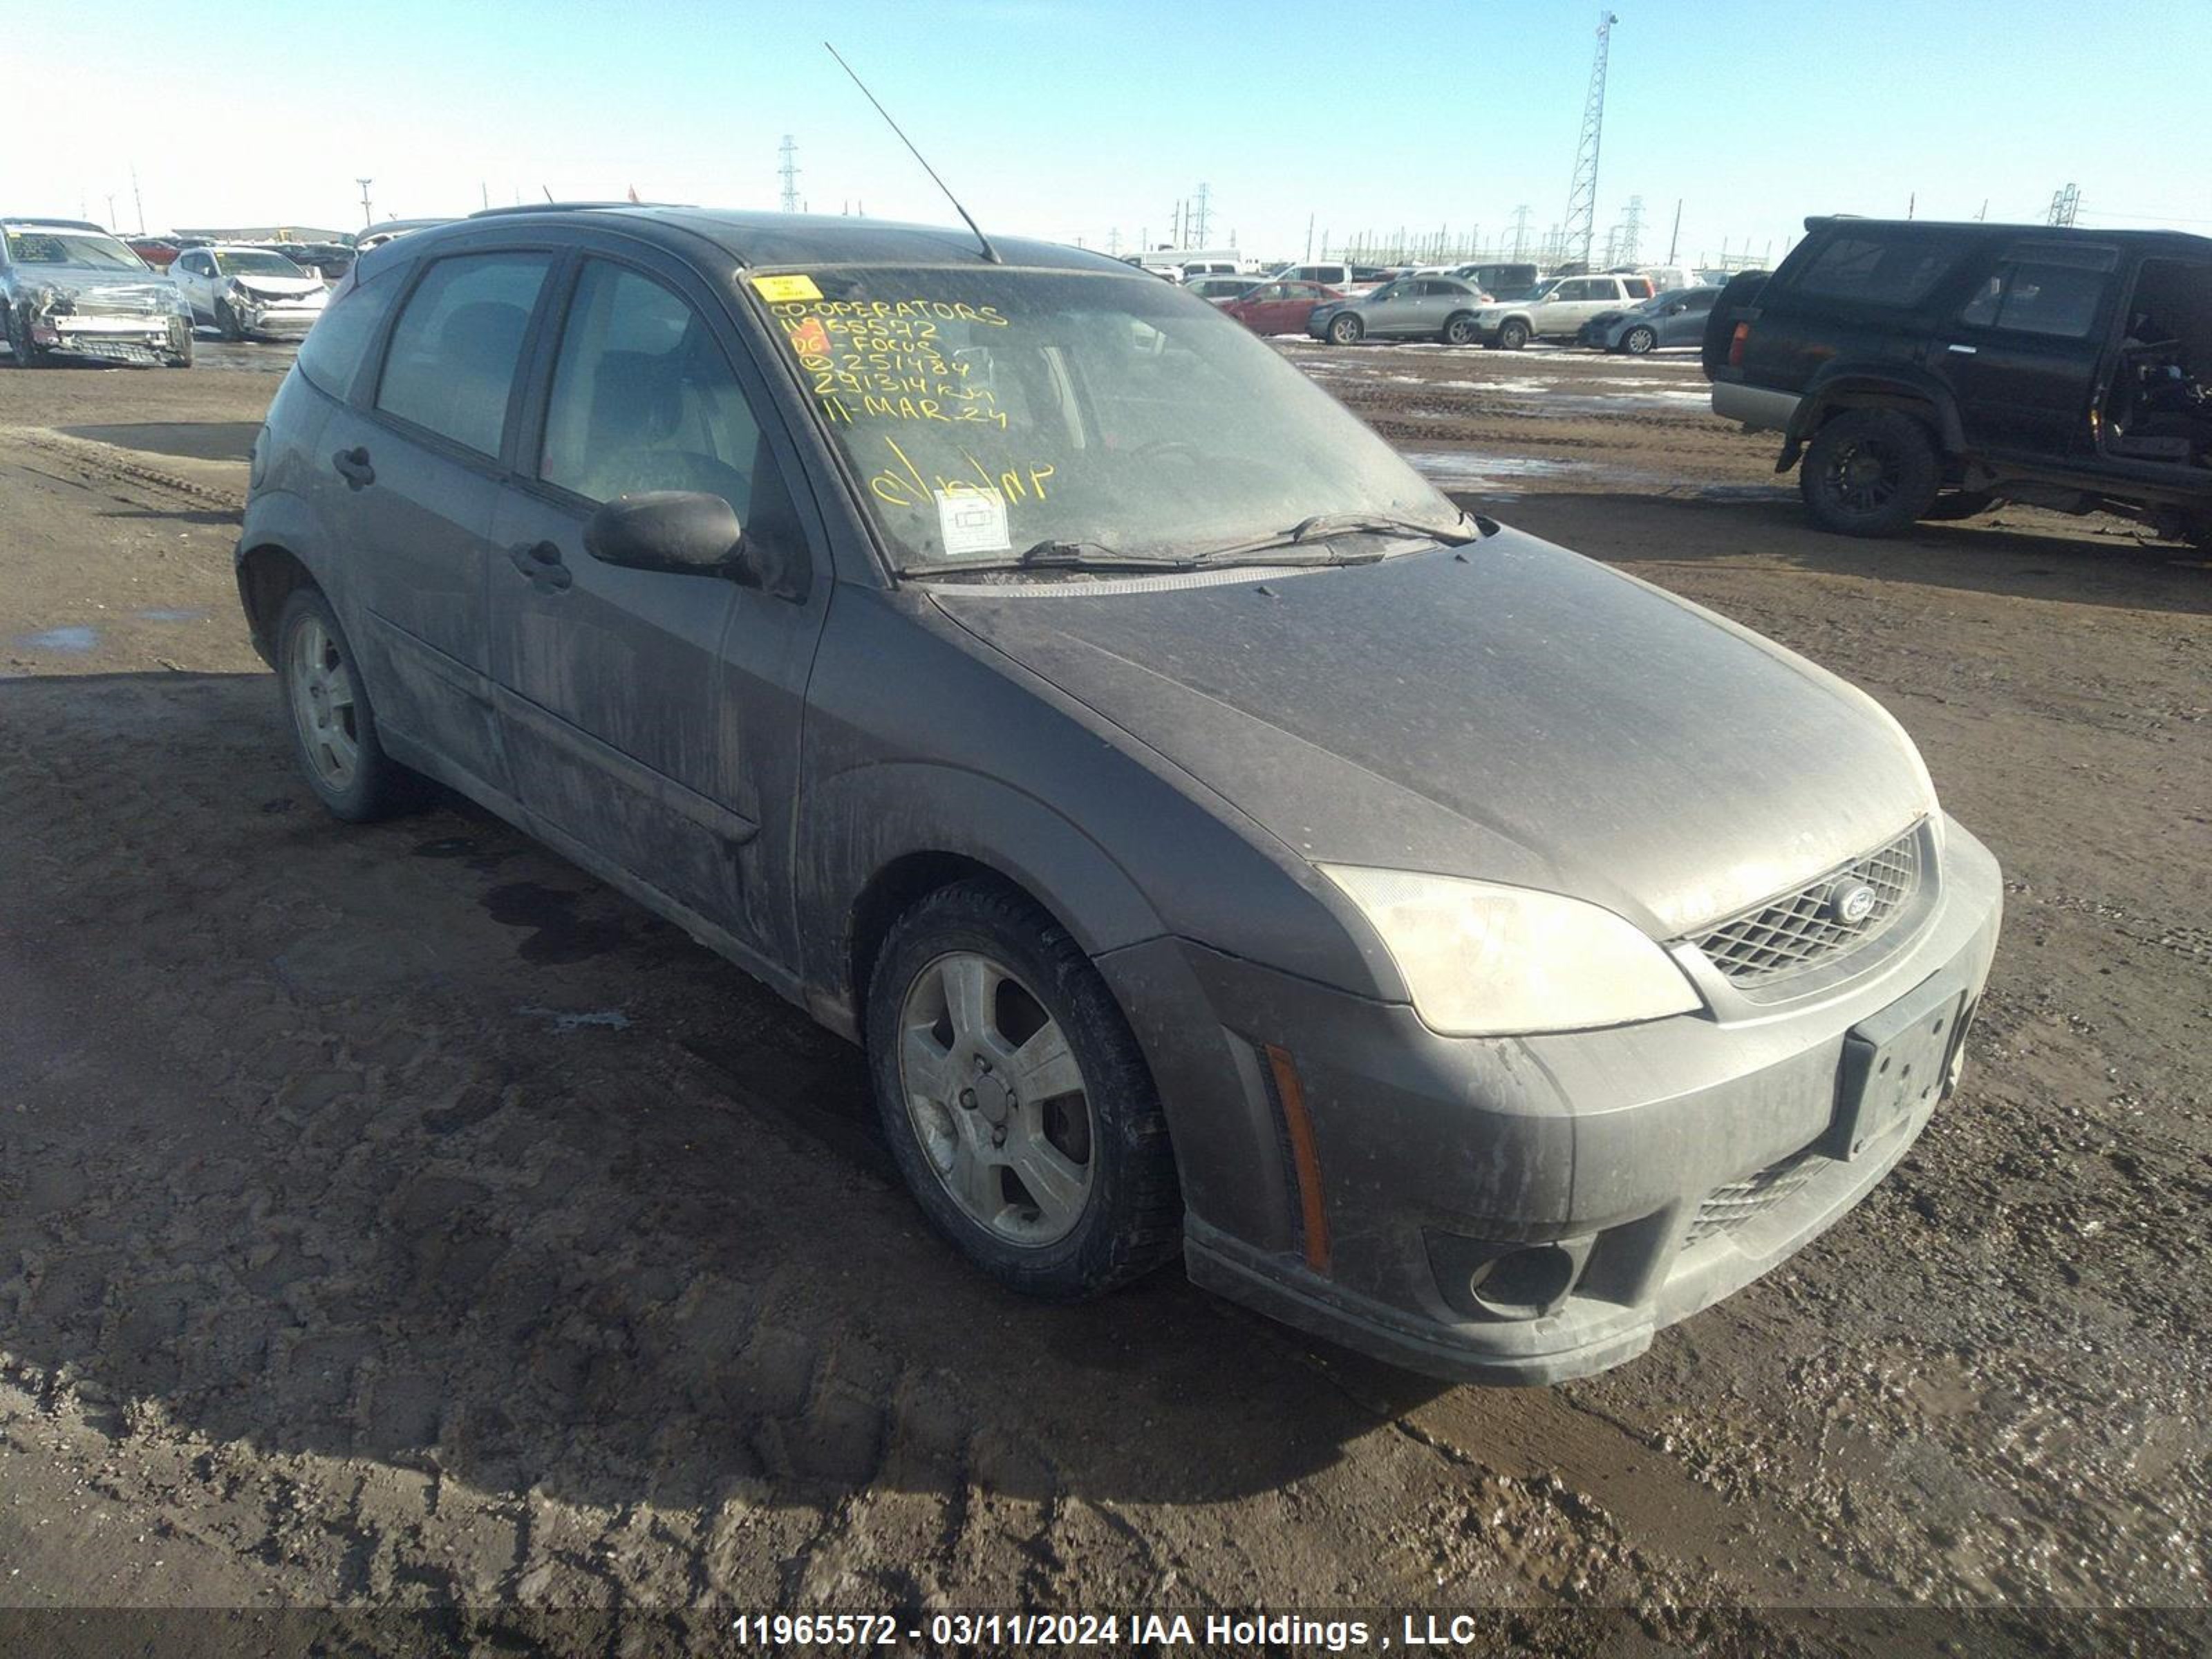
x: 129, y: 338
x: 277, y: 323
x: 1669, y: 1163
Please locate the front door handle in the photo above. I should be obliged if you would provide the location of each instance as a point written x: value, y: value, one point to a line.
x: 1963, y: 351
x: 541, y: 562
x: 353, y: 466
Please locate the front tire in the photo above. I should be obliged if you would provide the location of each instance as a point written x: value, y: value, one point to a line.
x: 1512, y: 334
x: 1869, y: 472
x: 333, y: 723
x: 1014, y: 1097
x: 225, y: 320
x: 1639, y: 340
x: 1345, y: 331
x: 22, y: 354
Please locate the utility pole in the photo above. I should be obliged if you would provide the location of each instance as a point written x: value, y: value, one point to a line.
x: 790, y: 172
x: 1520, y: 233
x: 1631, y: 231
x: 1675, y: 241
x: 110, y: 210
x: 1113, y: 241
x: 483, y: 189
x: 137, y: 201
x: 1309, y: 219
x: 1582, y: 196
x: 367, y: 220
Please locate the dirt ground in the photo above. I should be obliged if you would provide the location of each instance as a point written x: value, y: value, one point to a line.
x: 395, y: 1217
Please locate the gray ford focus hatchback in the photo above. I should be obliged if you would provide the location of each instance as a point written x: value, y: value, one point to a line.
x: 1220, y: 844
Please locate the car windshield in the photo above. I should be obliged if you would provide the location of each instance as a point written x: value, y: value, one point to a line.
x: 254, y: 262
x: 70, y: 247
x: 987, y: 412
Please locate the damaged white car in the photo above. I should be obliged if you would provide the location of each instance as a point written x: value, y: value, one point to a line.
x: 70, y: 289
x: 249, y: 292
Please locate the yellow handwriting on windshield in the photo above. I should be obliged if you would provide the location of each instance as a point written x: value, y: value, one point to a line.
x: 902, y: 484
x: 887, y: 360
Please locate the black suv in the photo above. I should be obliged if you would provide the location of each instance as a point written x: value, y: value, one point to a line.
x: 1928, y: 371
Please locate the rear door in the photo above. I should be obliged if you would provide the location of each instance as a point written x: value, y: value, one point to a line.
x: 2023, y: 353
x: 654, y: 718
x: 420, y: 461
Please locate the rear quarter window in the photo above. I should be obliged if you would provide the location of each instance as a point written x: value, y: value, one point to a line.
x: 1878, y: 270
x: 330, y: 356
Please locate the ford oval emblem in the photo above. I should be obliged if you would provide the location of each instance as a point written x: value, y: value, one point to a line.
x: 1853, y: 903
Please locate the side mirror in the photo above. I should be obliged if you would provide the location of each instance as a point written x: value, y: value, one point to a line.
x: 680, y: 532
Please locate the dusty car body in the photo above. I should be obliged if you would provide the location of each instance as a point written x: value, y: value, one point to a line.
x: 1218, y: 842
x: 249, y: 292
x: 1280, y: 306
x: 70, y: 289
x: 1406, y: 307
x: 1675, y: 317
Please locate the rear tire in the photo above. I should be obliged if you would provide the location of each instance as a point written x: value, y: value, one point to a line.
x: 1512, y: 334
x: 1459, y: 331
x: 333, y: 723
x: 1639, y: 340
x: 970, y: 981
x: 1869, y: 472
x: 1345, y: 331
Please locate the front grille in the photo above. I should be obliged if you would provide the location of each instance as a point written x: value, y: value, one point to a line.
x: 1798, y: 931
x: 1726, y: 1208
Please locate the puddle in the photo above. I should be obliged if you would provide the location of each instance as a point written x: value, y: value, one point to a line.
x: 73, y: 638
x: 1458, y: 469
x: 160, y: 614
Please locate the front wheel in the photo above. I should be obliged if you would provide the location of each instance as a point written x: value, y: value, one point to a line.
x: 1512, y: 334
x: 225, y: 320
x: 1345, y: 331
x: 333, y: 723
x: 1014, y: 1097
x: 22, y: 354
x: 1869, y: 472
x: 1639, y: 340
x: 1459, y: 331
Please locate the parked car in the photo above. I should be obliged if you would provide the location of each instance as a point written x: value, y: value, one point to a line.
x: 67, y: 288
x: 1220, y: 289
x: 1279, y: 308
x: 329, y: 260
x: 1925, y: 370
x: 156, y: 250
x: 1507, y: 281
x: 1667, y: 278
x: 1346, y: 279
x: 249, y: 292
x: 1219, y: 843
x: 1438, y: 308
x: 1558, y: 310
x: 1673, y: 318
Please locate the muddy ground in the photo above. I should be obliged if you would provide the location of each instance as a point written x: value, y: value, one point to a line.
x: 395, y: 1217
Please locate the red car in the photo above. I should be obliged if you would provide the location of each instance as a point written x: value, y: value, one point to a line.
x: 1279, y: 308
x: 156, y: 251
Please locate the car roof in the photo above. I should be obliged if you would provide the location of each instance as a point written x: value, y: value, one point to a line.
x: 15, y: 222
x: 2199, y: 246
x: 760, y: 239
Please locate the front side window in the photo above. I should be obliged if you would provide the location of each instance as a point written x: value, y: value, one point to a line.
x: 986, y: 412
x: 643, y: 397
x: 451, y: 364
x: 2048, y: 290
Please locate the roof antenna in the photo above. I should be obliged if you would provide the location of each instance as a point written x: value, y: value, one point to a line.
x: 989, y: 253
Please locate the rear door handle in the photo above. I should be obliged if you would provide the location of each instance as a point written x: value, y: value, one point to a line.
x: 1963, y: 351
x: 353, y: 466
x: 541, y: 562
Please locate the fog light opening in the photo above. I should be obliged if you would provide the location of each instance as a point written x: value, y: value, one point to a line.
x: 1524, y: 1284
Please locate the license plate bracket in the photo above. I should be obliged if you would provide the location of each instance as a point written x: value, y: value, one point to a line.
x: 1894, y: 1062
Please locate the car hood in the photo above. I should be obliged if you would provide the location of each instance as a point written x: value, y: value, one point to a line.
x: 93, y: 288
x: 283, y: 288
x: 1509, y: 711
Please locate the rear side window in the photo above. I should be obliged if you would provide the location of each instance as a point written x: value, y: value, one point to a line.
x: 330, y: 356
x: 451, y: 363
x: 1891, y: 270
x: 2045, y: 289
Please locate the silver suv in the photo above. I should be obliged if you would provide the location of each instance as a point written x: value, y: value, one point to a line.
x: 1558, y: 310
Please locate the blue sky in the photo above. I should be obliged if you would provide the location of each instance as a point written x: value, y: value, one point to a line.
x: 1072, y: 120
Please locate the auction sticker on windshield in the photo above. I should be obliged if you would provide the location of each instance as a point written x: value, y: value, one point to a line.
x: 781, y: 291
x: 973, y: 522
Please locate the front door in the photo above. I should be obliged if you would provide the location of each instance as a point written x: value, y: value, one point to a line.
x: 654, y: 718
x: 424, y: 463
x: 2024, y: 352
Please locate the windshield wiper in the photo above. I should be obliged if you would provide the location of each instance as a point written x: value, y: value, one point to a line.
x: 1322, y: 525
x: 1055, y: 556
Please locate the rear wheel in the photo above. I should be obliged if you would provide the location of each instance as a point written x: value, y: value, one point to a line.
x: 1869, y: 472
x: 1459, y: 331
x: 1345, y: 331
x: 333, y: 723
x: 1639, y: 340
x: 1512, y: 334
x: 1014, y: 1097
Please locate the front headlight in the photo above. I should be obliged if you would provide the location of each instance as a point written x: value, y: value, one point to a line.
x: 1482, y: 960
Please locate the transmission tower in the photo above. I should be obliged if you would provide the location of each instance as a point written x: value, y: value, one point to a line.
x: 1631, y: 231
x: 2064, y: 204
x: 790, y: 171
x: 1581, y: 197
x: 1520, y: 233
x: 1202, y: 216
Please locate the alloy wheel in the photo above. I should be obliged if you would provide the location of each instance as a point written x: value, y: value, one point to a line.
x: 323, y: 704
x: 996, y: 1098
